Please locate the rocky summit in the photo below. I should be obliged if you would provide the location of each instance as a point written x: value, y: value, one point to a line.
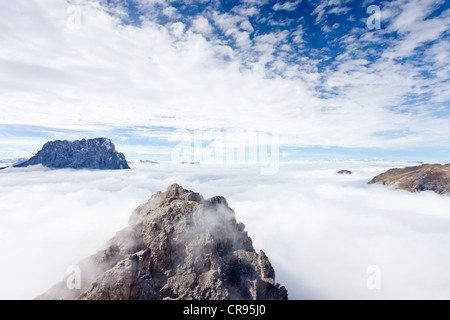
x: 98, y: 153
x: 433, y: 177
x: 177, y: 246
x: 344, y: 172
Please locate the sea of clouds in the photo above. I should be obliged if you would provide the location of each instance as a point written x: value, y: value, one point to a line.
x: 327, y: 235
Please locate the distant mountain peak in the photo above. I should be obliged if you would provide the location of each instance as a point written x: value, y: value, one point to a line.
x: 433, y: 177
x: 98, y: 153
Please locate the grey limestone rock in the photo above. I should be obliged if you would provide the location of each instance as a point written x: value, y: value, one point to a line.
x: 177, y: 246
x: 98, y: 153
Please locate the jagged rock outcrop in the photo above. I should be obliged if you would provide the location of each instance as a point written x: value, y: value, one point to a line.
x: 344, y: 171
x: 177, y: 246
x: 434, y: 177
x: 98, y: 153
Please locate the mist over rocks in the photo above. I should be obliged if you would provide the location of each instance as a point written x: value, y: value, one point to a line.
x: 432, y: 177
x: 177, y: 246
x: 98, y: 153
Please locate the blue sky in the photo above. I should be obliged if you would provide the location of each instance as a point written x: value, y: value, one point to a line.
x: 143, y: 72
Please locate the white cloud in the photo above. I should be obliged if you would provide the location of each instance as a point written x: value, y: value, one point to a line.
x: 326, y: 29
x: 247, y: 26
x: 298, y: 35
x: 177, y: 29
x: 287, y: 6
x: 202, y: 25
x: 320, y: 230
x: 339, y: 10
x: 415, y: 30
x: 107, y: 74
x: 255, y: 2
x: 320, y: 11
x: 324, y: 8
x: 171, y: 12
x: 246, y: 10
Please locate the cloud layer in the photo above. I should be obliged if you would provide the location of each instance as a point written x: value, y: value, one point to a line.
x: 321, y: 230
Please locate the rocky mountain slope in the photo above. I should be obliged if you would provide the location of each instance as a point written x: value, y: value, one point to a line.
x: 5, y: 163
x: 177, y: 246
x: 433, y: 177
x: 98, y: 153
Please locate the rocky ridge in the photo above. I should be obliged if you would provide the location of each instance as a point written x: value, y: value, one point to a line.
x: 98, y: 153
x: 177, y: 246
x: 433, y: 177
